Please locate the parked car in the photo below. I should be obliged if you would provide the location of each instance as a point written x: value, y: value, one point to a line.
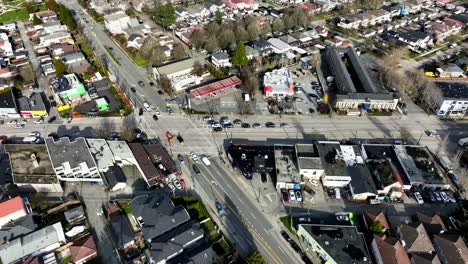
x: 444, y: 196
x: 35, y: 134
x: 311, y: 110
x: 256, y: 125
x: 299, y: 196
x: 133, y: 89
x: 155, y: 117
x: 182, y: 182
x: 207, y: 118
x: 3, y: 138
x: 140, y: 111
x: 292, y: 195
x: 169, y: 136
x: 19, y: 126
x: 418, y: 198
x: 237, y: 122
x: 210, y: 122
x: 342, y: 218
x: 39, y: 121
x: 12, y: 122
x: 437, y: 197
x: 196, y: 169
x: 171, y: 186
x: 245, y: 125
x: 194, y: 156
x: 141, y: 83
x: 228, y: 125
x: 285, y: 235
x: 177, y: 184
x: 314, y: 183
x: 217, y: 129
x: 308, y: 190
x: 263, y: 177
x: 285, y: 197
x: 270, y: 124
x: 147, y: 106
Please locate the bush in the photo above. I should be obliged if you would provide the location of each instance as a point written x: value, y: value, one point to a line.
x: 194, y: 207
x: 217, y: 74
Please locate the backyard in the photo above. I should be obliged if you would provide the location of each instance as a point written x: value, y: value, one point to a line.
x: 19, y: 14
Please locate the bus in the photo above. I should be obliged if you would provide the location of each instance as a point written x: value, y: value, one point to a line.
x: 463, y: 142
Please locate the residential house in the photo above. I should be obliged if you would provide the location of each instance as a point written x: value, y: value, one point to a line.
x: 8, y: 107
x: 416, y: 40
x: 415, y: 238
x: 263, y: 47
x: 311, y: 8
x: 57, y: 37
x: 135, y: 41
x: 459, y: 19
x: 146, y: 167
x: 60, y: 49
x: 442, y: 30
x: 334, y: 243
x: 251, y: 53
x: 115, y: 178
x: 68, y: 87
x: 75, y: 214
x: 8, y: 72
x: 362, y: 186
x: 116, y: 23
x: 244, y: 5
x: 39, y: 242
x: 451, y: 99
x: 180, y: 73
x: 6, y: 48
x: 278, y: 46
x: 45, y: 16
x: 451, y: 249
x: 156, y: 215
x: 221, y: 59
x: 12, y: 210
x: 451, y: 70
x: 372, y: 216
x: 389, y: 250
x: 31, y: 168
x: 433, y: 224
x: 17, y: 228
x: 72, y: 160
x: 74, y: 57
x: 83, y: 250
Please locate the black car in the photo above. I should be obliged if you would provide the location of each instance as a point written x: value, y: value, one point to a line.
x: 311, y: 110
x: 52, y: 119
x: 133, y: 89
x: 151, y: 83
x: 245, y: 125
x: 195, y: 169
x: 237, y: 122
x: 308, y: 190
x: 313, y: 95
x: 264, y: 177
x: 141, y: 83
x: 155, y: 117
x: 180, y: 158
x: 160, y: 92
x: 295, y: 246
x: 180, y: 139
x: 228, y: 125
x: 285, y: 235
x: 270, y: 124
x: 217, y: 129
x: 306, y: 260
x: 140, y: 112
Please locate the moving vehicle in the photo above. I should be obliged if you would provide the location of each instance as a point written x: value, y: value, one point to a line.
x: 180, y: 139
x: 169, y: 136
x: 463, y: 142
x: 12, y: 122
x: 39, y: 121
x: 141, y: 83
x: 194, y: 156
x: 19, y: 126
x: 140, y: 112
x: 22, y: 122
x: 285, y: 235
x: 206, y: 161
x: 195, y: 169
x: 431, y: 133
x: 155, y: 118
x: 180, y: 158
x: 35, y: 134
x: 147, y: 106
x: 263, y: 177
x: 133, y: 89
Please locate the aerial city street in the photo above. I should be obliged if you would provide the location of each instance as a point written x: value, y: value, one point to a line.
x: 233, y: 131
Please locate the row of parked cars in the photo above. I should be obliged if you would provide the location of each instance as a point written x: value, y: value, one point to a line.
x: 225, y: 122
x: 295, y: 246
x: 290, y: 196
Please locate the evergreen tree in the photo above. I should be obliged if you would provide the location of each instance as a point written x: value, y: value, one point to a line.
x: 52, y: 5
x: 164, y: 15
x: 60, y: 67
x: 36, y: 20
x: 240, y: 55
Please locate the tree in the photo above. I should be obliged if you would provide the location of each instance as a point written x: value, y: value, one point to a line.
x: 198, y: 39
x: 242, y: 34
x: 28, y: 6
x: 166, y: 85
x: 249, y: 80
x: 52, y: 5
x: 240, y: 55
x: 255, y: 258
x: 148, y: 45
x: 211, y: 44
x: 164, y: 15
x: 179, y: 51
x: 66, y: 17
x: 157, y: 56
x: 60, y: 67
x: 405, y: 134
x: 104, y: 129
x: 376, y: 227
x: 128, y: 131
x: 225, y: 38
x: 198, y: 69
x: 27, y: 72
x: 218, y: 17
x: 277, y: 25
x: 36, y: 20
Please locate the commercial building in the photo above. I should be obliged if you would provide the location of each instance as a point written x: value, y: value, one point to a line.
x: 8, y: 107
x: 278, y: 83
x: 68, y: 87
x: 32, y: 106
x: 451, y: 100
x: 335, y: 244
x: 179, y: 72
x: 287, y: 173
x: 31, y: 168
x: 333, y: 162
x: 352, y: 85
x: 72, y: 160
x: 309, y: 162
x: 216, y: 87
x: 12, y: 210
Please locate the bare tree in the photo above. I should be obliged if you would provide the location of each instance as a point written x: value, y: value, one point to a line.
x: 166, y: 85
x: 104, y: 129
x: 128, y: 129
x: 179, y: 51
x: 442, y: 144
x: 198, y: 68
x: 27, y: 72
x: 148, y: 45
x: 405, y: 134
x: 158, y: 56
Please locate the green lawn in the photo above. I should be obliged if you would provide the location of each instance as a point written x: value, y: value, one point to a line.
x: 195, y: 208
x: 140, y: 60
x: 221, y: 247
x: 124, y: 205
x: 65, y: 260
x: 286, y: 220
x: 208, y: 226
x: 20, y: 14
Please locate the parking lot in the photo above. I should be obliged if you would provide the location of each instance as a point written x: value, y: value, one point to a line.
x: 306, y: 92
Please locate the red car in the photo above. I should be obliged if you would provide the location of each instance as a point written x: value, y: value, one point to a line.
x: 3, y: 138
x: 182, y: 182
x: 285, y: 197
x: 169, y: 136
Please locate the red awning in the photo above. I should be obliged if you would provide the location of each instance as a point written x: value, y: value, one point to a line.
x: 216, y: 86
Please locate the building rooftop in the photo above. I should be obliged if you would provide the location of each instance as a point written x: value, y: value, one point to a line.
x: 121, y: 229
x: 17, y: 228
x: 114, y: 175
x: 158, y: 214
x: 453, y: 90
x: 286, y: 164
x: 83, y: 248
x: 391, y: 250
x: 345, y: 244
x: 279, y: 80
x: 415, y: 238
x: 361, y: 179
x: 145, y: 163
x: 25, y: 169
x: 32, y: 103
x: 452, y: 248
x: 161, y: 159
x: 101, y: 152
x: 221, y: 55
x: 120, y: 150
x: 70, y: 154
x: 175, y: 67
x: 308, y: 157
x: 7, y: 100
x: 33, y: 242
x: 332, y: 161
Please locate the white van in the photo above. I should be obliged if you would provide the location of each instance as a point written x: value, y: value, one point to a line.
x: 463, y: 142
x: 337, y: 193
x: 445, y: 162
x: 206, y: 161
x: 30, y: 139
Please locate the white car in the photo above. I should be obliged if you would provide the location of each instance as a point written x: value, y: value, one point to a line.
x: 19, y: 126
x: 314, y: 183
x: 22, y: 122
x: 171, y: 186
x: 158, y: 113
x: 194, y: 156
x: 437, y: 197
x: 177, y: 184
x: 40, y: 121
x: 292, y: 196
x: 12, y: 122
x: 35, y: 134
x: 444, y: 196
x: 418, y: 198
x: 147, y: 106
